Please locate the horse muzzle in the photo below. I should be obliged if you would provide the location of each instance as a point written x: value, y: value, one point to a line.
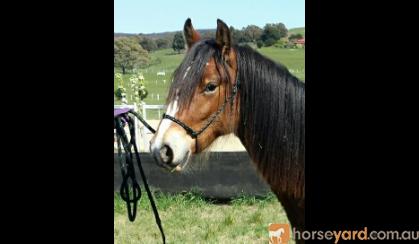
x: 172, y: 151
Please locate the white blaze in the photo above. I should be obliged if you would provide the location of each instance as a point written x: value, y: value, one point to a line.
x: 177, y: 140
x: 172, y: 109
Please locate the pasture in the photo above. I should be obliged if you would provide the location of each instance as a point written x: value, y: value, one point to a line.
x: 300, y: 30
x: 167, y: 60
x: 189, y: 218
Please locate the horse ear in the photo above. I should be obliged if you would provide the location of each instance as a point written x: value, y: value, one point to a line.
x: 191, y: 35
x: 223, y: 37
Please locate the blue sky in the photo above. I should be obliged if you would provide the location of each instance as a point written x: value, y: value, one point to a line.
x: 148, y: 16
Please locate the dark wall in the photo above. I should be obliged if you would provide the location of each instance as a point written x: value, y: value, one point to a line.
x: 222, y: 175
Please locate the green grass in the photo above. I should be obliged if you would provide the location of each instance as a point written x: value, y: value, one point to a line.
x: 293, y: 59
x: 189, y: 218
x: 301, y: 30
x: 166, y: 60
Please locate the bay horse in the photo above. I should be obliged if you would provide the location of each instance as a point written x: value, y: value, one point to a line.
x: 221, y: 88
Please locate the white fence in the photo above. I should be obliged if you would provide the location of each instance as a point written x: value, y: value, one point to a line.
x: 142, y: 134
x: 159, y: 108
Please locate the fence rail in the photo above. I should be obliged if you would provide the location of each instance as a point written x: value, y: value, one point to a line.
x: 159, y: 109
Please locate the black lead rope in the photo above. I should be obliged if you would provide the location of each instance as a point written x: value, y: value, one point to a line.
x: 128, y: 170
x: 143, y: 121
x: 128, y: 173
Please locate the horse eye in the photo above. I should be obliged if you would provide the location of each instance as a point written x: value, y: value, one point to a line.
x: 210, y: 87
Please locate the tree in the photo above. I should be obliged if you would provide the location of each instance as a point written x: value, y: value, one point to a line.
x: 283, y: 31
x: 269, y: 42
x: 273, y: 32
x: 178, y: 42
x: 281, y: 43
x: 235, y: 35
x: 207, y: 34
x: 128, y: 54
x: 238, y: 36
x: 148, y: 44
x: 296, y: 36
x: 252, y: 33
x: 259, y: 43
x: 162, y: 43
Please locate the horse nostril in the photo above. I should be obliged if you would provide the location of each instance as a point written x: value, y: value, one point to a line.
x: 166, y: 154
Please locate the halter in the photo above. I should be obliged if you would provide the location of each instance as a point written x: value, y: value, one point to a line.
x: 194, y: 134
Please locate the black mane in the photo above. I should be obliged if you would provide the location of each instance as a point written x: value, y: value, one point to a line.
x: 272, y: 119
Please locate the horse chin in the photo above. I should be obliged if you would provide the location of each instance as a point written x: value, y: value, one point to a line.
x: 182, y: 164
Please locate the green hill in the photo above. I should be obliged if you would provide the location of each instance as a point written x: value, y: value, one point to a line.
x: 301, y: 30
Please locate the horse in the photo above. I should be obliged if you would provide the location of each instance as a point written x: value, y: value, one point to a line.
x: 276, y: 235
x: 222, y: 88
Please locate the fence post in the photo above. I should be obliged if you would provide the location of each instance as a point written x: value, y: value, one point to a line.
x: 144, y: 135
x: 144, y: 112
x: 137, y: 126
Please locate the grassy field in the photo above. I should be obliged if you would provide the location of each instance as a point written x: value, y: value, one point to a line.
x: 301, y: 30
x: 166, y: 60
x: 293, y: 59
x: 189, y: 218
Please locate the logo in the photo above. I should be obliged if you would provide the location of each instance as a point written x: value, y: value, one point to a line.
x: 279, y: 233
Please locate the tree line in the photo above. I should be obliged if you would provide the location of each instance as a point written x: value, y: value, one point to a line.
x: 271, y: 34
x: 133, y: 51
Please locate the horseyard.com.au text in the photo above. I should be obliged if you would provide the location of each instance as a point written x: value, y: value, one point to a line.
x: 363, y: 234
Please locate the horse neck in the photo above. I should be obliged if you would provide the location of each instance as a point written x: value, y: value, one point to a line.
x: 271, y: 125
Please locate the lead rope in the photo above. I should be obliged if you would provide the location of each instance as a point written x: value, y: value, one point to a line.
x: 128, y: 170
x: 128, y: 173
